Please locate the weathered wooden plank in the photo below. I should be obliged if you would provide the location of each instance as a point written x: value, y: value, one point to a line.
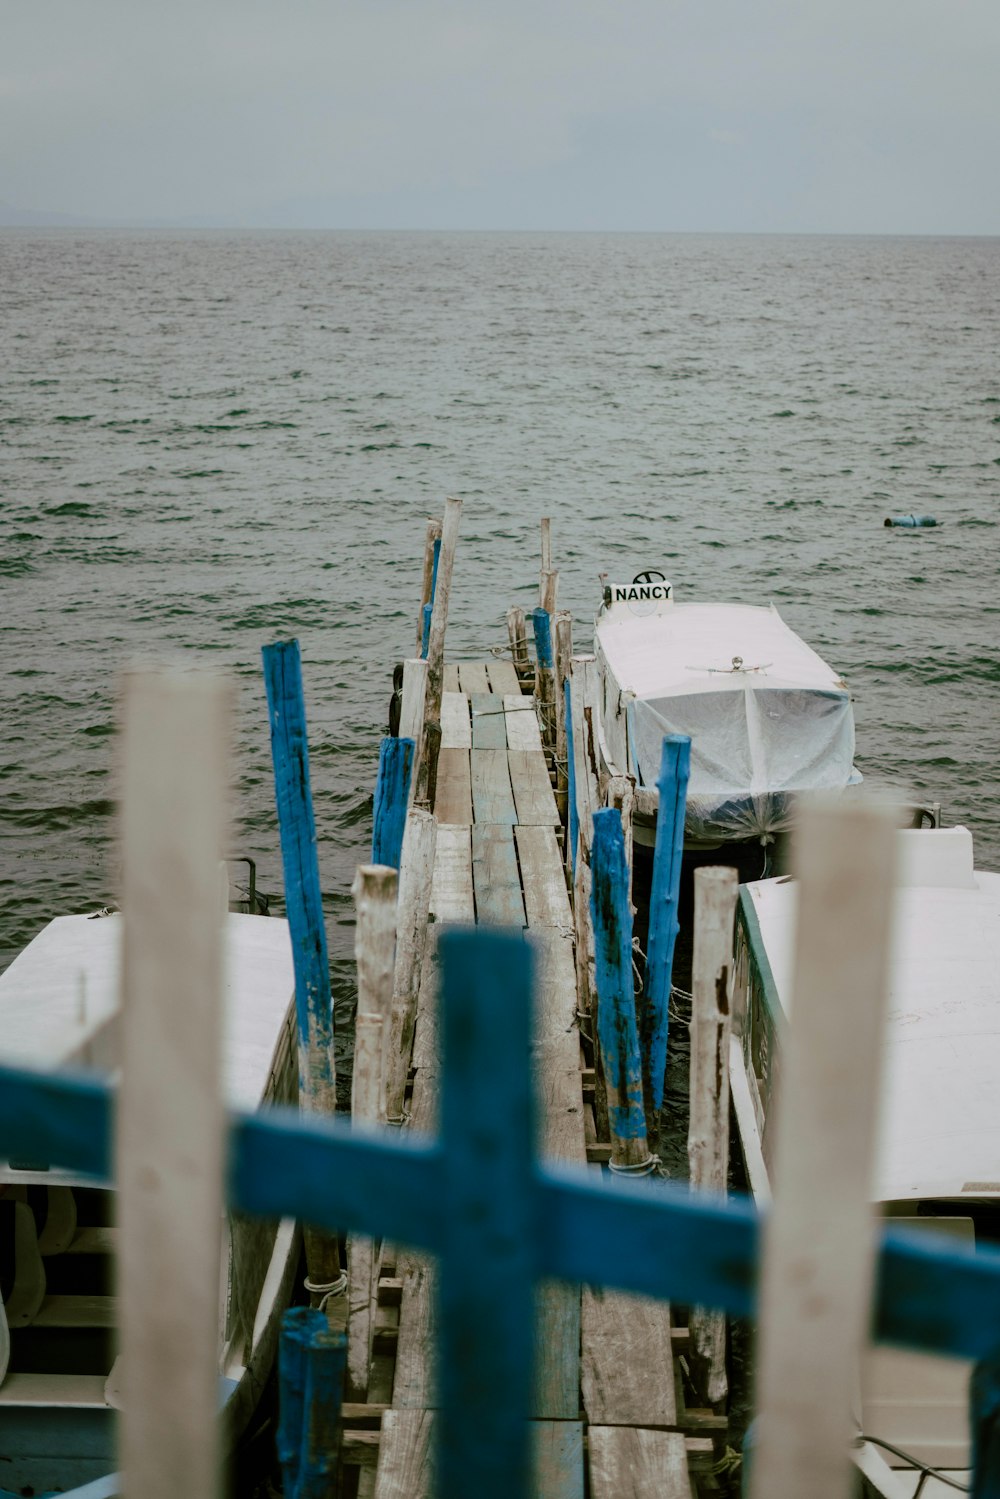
x: 472, y: 675
x: 170, y: 1124
x: 819, y: 1249
x: 555, y: 1003
x: 451, y: 679
x: 77, y: 1311
x: 426, y: 1051
x: 456, y: 730
x: 560, y: 1099
x: 451, y: 884
x: 523, y: 731
x: 546, y: 900
x: 406, y: 1457
x: 626, y: 1463
x: 503, y: 677
x: 627, y: 1370
x: 454, y: 787
x: 497, y: 885
x: 533, y: 798
x: 414, y: 1382
x: 489, y: 729
x: 492, y: 797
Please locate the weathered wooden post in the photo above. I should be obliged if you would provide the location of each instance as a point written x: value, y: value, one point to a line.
x: 708, y: 1132
x: 563, y: 656
x: 619, y: 792
x: 663, y: 925
x: 392, y: 797
x: 546, y: 568
x: 435, y: 651
x: 303, y: 900
x: 366, y: 1088
x: 572, y: 814
x: 432, y: 551
x: 518, y: 641
x: 415, y: 875
x: 587, y: 801
x: 374, y: 893
x: 170, y: 1124
x: 545, y: 676
x: 819, y: 1240
x: 411, y: 713
x: 550, y: 591
x: 616, y: 1023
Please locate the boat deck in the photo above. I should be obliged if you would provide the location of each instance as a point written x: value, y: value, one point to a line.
x: 610, y: 1415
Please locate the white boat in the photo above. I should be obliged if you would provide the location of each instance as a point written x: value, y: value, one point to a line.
x: 767, y: 717
x: 59, y: 1382
x: 938, y: 1156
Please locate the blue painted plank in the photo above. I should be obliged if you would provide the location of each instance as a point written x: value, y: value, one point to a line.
x: 303, y: 900
x: 616, y: 1025
x: 486, y: 1341
x: 542, y: 621
x: 425, y: 636
x: 392, y: 792
x: 663, y: 925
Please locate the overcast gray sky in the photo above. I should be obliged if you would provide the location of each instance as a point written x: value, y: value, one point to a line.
x: 876, y: 116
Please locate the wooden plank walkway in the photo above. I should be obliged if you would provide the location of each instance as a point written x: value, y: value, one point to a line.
x: 606, y: 1413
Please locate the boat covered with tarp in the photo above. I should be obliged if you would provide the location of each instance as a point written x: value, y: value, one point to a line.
x: 768, y: 719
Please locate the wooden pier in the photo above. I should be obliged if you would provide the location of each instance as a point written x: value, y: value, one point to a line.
x: 609, y: 1408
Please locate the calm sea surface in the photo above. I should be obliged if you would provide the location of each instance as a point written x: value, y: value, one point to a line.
x: 208, y: 441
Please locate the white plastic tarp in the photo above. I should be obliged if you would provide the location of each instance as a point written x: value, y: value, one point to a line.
x: 751, y: 745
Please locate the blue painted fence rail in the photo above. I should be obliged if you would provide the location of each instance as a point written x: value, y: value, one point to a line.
x: 481, y: 1189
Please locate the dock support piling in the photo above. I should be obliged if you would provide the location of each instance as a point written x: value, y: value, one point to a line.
x: 415, y: 876
x: 563, y: 656
x: 545, y: 676
x: 616, y: 1022
x: 411, y: 713
x: 517, y: 635
x: 366, y: 1089
x: 303, y: 901
x: 715, y: 891
x: 310, y: 1370
x: 435, y: 650
x: 546, y: 553
x: 432, y: 544
x: 675, y: 764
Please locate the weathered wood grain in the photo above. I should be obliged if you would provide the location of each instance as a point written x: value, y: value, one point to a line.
x: 454, y: 787
x: 626, y: 1463
x: 406, y: 1457
x: 523, y: 731
x: 456, y: 730
x: 451, y: 884
x: 503, y: 677
x: 472, y: 675
x: 489, y: 731
x: 492, y: 797
x: 533, y: 798
x: 627, y: 1370
x: 495, y: 876
x: 450, y: 678
x: 546, y: 900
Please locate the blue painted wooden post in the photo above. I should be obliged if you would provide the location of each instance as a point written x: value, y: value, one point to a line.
x: 303, y: 899
x: 542, y: 621
x: 291, y: 1381
x: 984, y: 1420
x: 486, y: 1342
x: 425, y: 637
x: 616, y: 1025
x: 675, y: 766
x: 304, y: 907
x: 574, y: 816
x: 325, y: 1359
x: 392, y: 794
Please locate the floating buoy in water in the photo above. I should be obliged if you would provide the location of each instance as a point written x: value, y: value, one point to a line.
x: 910, y: 520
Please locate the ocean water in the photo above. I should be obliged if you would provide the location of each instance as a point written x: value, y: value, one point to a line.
x: 211, y: 440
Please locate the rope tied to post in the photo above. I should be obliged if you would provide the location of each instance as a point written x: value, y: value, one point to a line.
x: 639, y: 1168
x: 326, y: 1290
